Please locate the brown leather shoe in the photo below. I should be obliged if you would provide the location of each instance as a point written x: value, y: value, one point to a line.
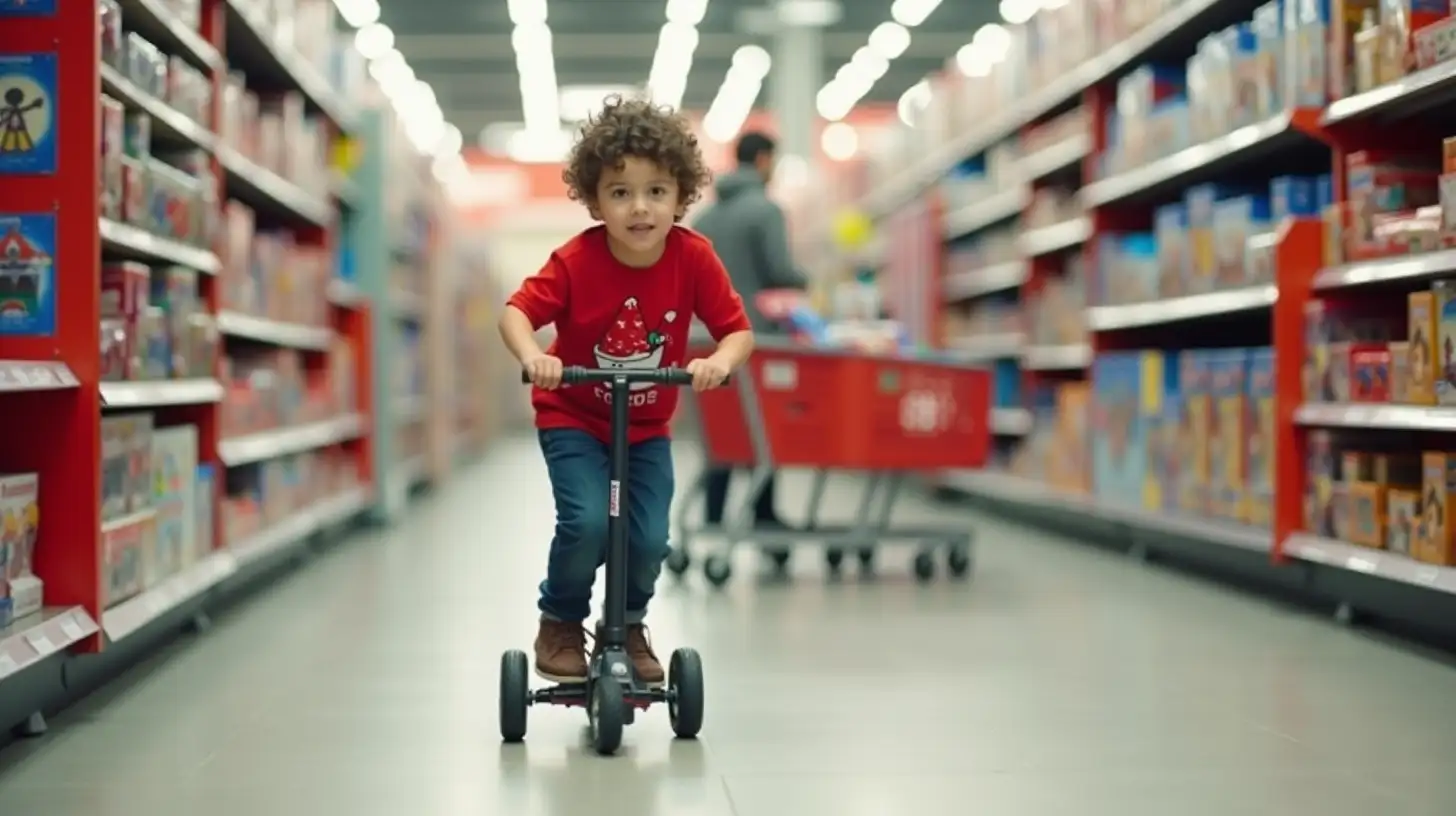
x: 561, y: 652
x: 644, y: 660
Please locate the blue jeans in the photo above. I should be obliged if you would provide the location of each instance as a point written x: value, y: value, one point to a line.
x: 579, y: 468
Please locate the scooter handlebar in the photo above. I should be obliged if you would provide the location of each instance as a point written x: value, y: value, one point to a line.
x: 577, y: 375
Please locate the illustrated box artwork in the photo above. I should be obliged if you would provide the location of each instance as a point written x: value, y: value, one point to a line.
x: 27, y: 114
x: 27, y: 275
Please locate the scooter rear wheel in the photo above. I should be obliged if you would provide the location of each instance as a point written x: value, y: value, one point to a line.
x: 515, y: 695
x: 685, y: 687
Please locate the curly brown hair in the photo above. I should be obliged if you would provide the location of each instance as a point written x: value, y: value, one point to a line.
x: 640, y: 129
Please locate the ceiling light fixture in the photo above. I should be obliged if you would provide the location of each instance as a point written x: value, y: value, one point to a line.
x: 911, y: 13
x: 374, y: 40
x: 358, y: 13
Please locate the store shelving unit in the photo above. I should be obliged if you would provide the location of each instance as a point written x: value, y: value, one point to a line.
x: 58, y: 392
x: 1406, y: 113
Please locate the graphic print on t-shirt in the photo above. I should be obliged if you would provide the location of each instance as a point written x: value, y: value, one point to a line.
x: 629, y: 344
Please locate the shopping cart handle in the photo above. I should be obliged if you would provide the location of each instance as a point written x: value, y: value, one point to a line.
x: 577, y: 375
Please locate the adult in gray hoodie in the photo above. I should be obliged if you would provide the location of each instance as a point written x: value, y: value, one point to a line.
x: 749, y: 232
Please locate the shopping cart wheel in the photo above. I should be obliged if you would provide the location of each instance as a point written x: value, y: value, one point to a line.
x: 925, y: 565
x: 866, y: 557
x: 779, y: 557
x: 958, y: 560
x: 717, y: 569
x: 515, y: 694
x: 834, y: 558
x: 678, y: 561
x: 685, y: 693
x: 608, y: 715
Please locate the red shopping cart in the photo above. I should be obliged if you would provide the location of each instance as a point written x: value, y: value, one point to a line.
x: 795, y: 406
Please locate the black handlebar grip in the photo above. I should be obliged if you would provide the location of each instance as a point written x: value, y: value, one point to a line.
x: 574, y: 375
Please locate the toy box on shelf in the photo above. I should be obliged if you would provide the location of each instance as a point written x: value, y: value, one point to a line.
x: 21, y: 592
x: 154, y: 496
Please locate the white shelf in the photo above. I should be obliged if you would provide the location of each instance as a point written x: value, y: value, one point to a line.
x: 128, y: 241
x: 188, y: 583
x: 1011, y: 421
x: 1055, y: 237
x: 967, y: 219
x: 261, y: 188
x: 35, y: 375
x: 1003, y: 487
x: 34, y: 638
x: 263, y: 330
x: 1057, y: 358
x: 1376, y: 416
x: 265, y: 445
x: 168, y: 123
x: 1405, y: 267
x: 1175, y: 310
x: 1434, y: 79
x: 986, y: 347
x: 984, y: 281
x: 1379, y: 563
x: 141, y: 394
x: 1054, y: 157
x: 1159, y: 171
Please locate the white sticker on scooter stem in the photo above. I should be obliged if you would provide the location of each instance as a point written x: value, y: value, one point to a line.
x: 614, y: 505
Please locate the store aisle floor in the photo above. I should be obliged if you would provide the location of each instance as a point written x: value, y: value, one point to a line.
x: 1060, y: 682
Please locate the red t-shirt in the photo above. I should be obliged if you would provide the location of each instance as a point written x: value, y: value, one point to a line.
x: 610, y: 314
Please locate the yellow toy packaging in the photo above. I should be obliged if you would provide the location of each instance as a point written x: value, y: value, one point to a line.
x: 1227, y: 464
x: 1433, y: 543
x: 1159, y: 386
x: 1422, y: 338
x: 1071, y: 464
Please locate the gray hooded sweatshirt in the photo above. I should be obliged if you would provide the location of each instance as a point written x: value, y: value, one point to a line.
x: 751, y: 237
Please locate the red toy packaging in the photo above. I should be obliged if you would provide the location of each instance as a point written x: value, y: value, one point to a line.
x: 1370, y: 373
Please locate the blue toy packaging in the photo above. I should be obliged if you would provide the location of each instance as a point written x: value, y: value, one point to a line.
x: 1306, y: 44
x: 1293, y: 197
x: 1269, y: 66
x: 1195, y: 425
x: 1119, y: 442
x: 1262, y: 436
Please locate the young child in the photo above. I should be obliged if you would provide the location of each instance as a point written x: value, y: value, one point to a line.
x: 621, y: 294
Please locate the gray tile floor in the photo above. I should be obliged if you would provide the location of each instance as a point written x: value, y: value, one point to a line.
x: 1060, y: 682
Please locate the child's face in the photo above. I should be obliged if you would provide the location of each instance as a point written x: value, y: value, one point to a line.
x: 639, y: 203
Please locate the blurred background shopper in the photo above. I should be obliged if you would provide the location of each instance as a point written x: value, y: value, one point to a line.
x: 751, y: 236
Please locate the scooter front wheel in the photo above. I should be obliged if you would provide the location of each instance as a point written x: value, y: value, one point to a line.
x: 608, y: 708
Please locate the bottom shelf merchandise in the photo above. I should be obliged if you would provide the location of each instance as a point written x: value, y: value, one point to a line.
x: 260, y: 495
x: 157, y: 503
x: 21, y: 592
x: 1186, y: 432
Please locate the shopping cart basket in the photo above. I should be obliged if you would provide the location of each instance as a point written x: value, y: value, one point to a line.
x: 796, y: 406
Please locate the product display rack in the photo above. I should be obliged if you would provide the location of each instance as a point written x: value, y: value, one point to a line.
x: 1298, y: 531
x: 274, y: 466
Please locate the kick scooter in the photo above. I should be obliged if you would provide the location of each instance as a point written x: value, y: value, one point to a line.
x: 613, y: 692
